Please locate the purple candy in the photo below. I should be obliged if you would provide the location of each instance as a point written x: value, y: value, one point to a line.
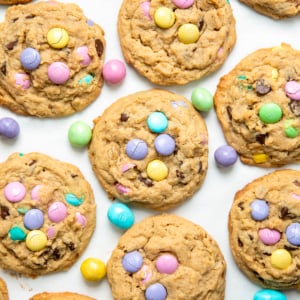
x: 9, y: 127
x: 225, y: 156
x: 30, y: 58
x: 293, y: 234
x: 132, y: 261
x: 136, y: 149
x: 259, y: 210
x: 164, y: 144
x: 156, y: 291
x: 33, y: 219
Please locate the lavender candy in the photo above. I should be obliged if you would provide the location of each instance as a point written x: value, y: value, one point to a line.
x: 9, y: 128
x: 293, y: 234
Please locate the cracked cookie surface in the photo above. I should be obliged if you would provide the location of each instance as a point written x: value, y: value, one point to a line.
x: 47, y: 214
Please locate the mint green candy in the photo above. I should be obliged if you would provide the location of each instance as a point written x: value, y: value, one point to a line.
x: 202, y: 99
x: 289, y: 130
x: 17, y: 234
x: 79, y: 134
x: 270, y: 113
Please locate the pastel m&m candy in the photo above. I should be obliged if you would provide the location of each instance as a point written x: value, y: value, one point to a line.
x: 57, y: 212
x: 188, y: 33
x: 58, y: 72
x: 83, y: 53
x: 93, y: 269
x: 268, y: 294
x: 269, y: 236
x: 9, y: 127
x: 132, y: 261
x: 157, y: 170
x: 120, y: 215
x: 292, y: 233
x: 79, y: 134
x: 281, y: 259
x: 225, y: 156
x: 30, y: 58
x: 270, y: 113
x: 57, y: 37
x: 292, y: 89
x: 164, y: 144
x: 164, y: 17
x: 14, y: 191
x: 34, y: 219
x: 166, y: 264
x: 156, y: 291
x: 22, y: 80
x: 259, y: 210
x: 157, y: 122
x: 183, y: 3
x: 202, y: 99
x: 136, y: 149
x: 36, y: 240
x: 114, y: 71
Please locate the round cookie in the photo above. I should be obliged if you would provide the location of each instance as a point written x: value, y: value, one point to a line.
x: 51, y: 59
x: 157, y: 170
x: 276, y: 9
x: 3, y: 290
x: 60, y: 296
x: 47, y: 213
x: 264, y: 230
x: 192, y: 38
x: 9, y: 2
x: 171, y: 254
x: 258, y: 107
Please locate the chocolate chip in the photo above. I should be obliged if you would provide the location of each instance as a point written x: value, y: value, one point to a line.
x: 55, y: 254
x: 148, y: 182
x: 260, y: 138
x: 296, y: 182
x: 240, y: 243
x: 241, y: 205
x: 179, y: 174
x: 261, y: 87
x: 99, y: 47
x: 74, y: 175
x: 30, y: 17
x: 201, y: 24
x: 32, y: 162
x: 286, y: 214
x: 295, y: 107
x: 200, y: 167
x: 229, y: 112
x: 11, y: 45
x: 3, y: 68
x: 124, y: 117
x: 4, y: 211
x: 71, y: 246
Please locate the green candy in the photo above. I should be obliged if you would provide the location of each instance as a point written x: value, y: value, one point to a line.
x: 270, y: 113
x: 79, y: 134
x: 202, y: 99
x: 289, y: 130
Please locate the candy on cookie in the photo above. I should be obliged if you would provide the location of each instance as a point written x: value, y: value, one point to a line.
x: 60, y: 296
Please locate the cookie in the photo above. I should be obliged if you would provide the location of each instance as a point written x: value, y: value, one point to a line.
x: 264, y: 229
x: 8, y: 2
x: 60, y: 296
x: 150, y: 148
x: 257, y: 104
x: 3, y: 290
x: 47, y: 213
x: 166, y: 256
x: 176, y: 42
x: 276, y: 9
x: 51, y: 59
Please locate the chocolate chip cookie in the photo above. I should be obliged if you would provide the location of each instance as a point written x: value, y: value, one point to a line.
x: 276, y: 9
x: 47, y: 214
x: 150, y: 148
x: 51, y: 59
x: 3, y: 290
x: 60, y: 296
x: 257, y: 104
x: 264, y: 229
x: 175, y: 42
x: 168, y: 257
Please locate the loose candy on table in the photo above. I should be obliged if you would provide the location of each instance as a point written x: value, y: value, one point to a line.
x: 120, y: 215
x: 225, y: 156
x: 268, y: 294
x: 79, y: 134
x: 114, y: 71
x: 9, y: 127
x: 93, y: 269
x: 202, y: 99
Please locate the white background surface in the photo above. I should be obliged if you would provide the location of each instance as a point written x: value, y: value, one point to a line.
x: 208, y: 208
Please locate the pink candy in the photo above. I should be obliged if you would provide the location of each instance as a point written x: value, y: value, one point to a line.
x: 83, y: 52
x: 58, y: 72
x: 146, y: 7
x: 183, y: 3
x: 57, y: 212
x: 14, y: 191
x: 122, y: 189
x: 22, y: 80
x: 269, y: 236
x: 166, y: 264
x: 80, y: 219
x: 292, y: 89
x: 35, y: 192
x: 114, y: 71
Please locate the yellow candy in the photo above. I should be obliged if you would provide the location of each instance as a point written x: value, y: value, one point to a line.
x: 157, y: 170
x: 281, y: 259
x: 57, y: 38
x: 164, y: 17
x: 260, y: 158
x: 274, y: 74
x: 188, y: 33
x: 93, y: 269
x: 36, y: 240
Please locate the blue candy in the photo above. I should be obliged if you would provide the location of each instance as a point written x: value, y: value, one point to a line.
x: 157, y: 122
x: 120, y: 215
x: 269, y: 295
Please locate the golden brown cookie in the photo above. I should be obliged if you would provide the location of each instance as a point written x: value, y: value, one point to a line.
x: 150, y: 148
x: 3, y: 290
x: 47, y: 214
x: 175, y: 42
x: 51, y: 59
x: 60, y: 296
x: 166, y: 256
x: 264, y: 230
x: 8, y: 2
x: 257, y: 104
x: 276, y: 9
